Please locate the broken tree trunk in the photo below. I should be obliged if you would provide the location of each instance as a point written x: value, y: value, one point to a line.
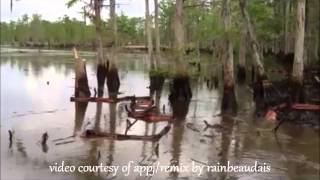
x: 81, y: 80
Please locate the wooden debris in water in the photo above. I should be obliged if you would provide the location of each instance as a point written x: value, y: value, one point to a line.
x: 122, y: 137
x: 129, y: 125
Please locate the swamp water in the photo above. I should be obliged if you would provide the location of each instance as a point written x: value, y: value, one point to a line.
x: 35, y: 98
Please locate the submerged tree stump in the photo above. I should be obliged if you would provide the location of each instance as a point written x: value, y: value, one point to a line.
x: 180, y: 96
x: 180, y: 89
x: 102, y: 70
x: 113, y: 80
x: 156, y: 82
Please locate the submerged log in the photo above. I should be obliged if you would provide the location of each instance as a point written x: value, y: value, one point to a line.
x: 107, y: 100
x: 122, y: 137
x: 81, y: 80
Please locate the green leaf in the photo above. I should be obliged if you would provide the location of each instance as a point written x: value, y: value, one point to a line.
x: 70, y: 3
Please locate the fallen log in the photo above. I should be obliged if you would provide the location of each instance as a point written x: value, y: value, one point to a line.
x: 107, y: 100
x: 122, y: 137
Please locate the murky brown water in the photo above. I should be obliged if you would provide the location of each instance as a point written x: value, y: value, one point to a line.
x: 30, y: 106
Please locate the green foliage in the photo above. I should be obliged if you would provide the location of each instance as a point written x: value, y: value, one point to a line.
x: 130, y: 30
x: 267, y: 24
x: 70, y: 3
x: 166, y: 15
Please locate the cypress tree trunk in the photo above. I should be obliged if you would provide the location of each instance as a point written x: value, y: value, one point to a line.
x: 312, y: 31
x: 286, y: 27
x: 112, y: 75
x: 156, y: 25
x: 298, y: 65
x: 228, y: 100
x: 148, y: 29
x: 178, y: 27
x: 113, y: 19
x: 297, y: 70
x: 113, y: 80
x: 101, y: 65
x: 242, y: 55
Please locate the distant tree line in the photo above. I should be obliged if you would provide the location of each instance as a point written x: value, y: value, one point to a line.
x: 66, y: 32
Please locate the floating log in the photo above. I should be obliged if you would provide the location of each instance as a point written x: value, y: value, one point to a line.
x: 156, y: 118
x: 92, y: 99
x: 148, y: 115
x: 107, y: 100
x: 310, y: 107
x: 122, y: 137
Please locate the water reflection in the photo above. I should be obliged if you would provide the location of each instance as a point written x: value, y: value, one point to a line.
x: 80, y: 112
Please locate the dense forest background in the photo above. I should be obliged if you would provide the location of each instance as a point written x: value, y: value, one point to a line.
x: 274, y: 23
